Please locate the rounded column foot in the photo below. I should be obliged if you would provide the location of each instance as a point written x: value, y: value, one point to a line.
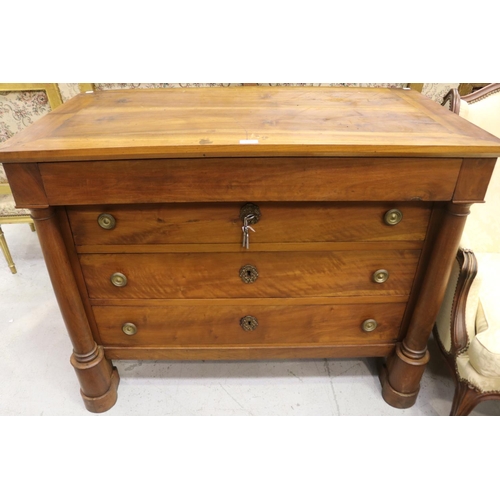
x: 400, y: 378
x: 106, y: 401
x: 98, y: 380
x: 393, y: 397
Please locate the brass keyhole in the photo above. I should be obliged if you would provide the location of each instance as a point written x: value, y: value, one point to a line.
x: 249, y: 274
x: 250, y: 209
x: 249, y: 323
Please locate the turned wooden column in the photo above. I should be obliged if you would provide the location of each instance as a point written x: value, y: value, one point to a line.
x: 404, y: 369
x: 98, y: 379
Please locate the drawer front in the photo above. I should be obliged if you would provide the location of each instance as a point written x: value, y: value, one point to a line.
x: 236, y: 179
x: 199, y: 223
x: 222, y: 325
x: 264, y: 274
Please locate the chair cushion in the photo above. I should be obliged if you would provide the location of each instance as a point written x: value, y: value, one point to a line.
x: 3, y: 177
x: 468, y: 372
x: 484, y: 350
x: 8, y: 206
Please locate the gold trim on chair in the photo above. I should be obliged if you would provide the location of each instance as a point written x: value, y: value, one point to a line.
x: 86, y: 87
x: 416, y: 86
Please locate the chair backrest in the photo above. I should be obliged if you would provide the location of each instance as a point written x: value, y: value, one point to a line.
x: 54, y: 99
x: 482, y: 231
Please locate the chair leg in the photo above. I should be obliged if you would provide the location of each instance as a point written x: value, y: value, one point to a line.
x: 464, y: 400
x: 32, y: 226
x: 6, y: 252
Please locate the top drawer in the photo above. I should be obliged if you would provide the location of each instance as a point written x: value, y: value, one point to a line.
x: 237, y: 179
x: 210, y: 223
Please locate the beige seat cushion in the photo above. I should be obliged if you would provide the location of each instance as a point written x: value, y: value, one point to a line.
x: 3, y: 177
x: 8, y: 206
x: 484, y: 350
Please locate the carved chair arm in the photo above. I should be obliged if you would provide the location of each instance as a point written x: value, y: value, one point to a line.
x: 468, y: 271
x: 452, y: 101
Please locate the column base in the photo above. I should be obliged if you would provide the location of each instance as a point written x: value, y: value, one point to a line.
x: 106, y: 401
x: 98, y: 380
x: 393, y: 397
x: 400, y: 377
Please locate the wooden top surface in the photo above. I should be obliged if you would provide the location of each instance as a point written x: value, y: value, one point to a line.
x: 278, y: 121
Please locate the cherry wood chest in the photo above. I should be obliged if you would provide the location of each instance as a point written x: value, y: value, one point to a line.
x: 249, y: 223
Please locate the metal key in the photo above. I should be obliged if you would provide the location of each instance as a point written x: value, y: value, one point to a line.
x: 245, y: 228
x: 246, y: 236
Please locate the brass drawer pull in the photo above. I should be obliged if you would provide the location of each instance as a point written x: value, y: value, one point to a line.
x: 249, y: 274
x: 249, y: 323
x: 129, y: 329
x: 106, y: 221
x: 119, y: 279
x: 393, y: 217
x: 369, y: 325
x: 380, y: 276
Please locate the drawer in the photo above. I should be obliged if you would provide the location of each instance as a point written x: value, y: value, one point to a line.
x: 222, y: 325
x: 258, y: 274
x: 236, y: 179
x: 181, y: 223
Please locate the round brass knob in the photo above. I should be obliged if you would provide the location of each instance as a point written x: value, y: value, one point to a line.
x: 129, y: 329
x: 249, y: 274
x: 369, y: 325
x: 249, y: 323
x: 106, y: 221
x: 380, y: 276
x: 119, y: 279
x: 393, y: 217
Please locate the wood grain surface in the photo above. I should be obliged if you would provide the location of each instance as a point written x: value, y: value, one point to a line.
x: 193, y: 223
x: 245, y: 352
x: 215, y: 275
x: 248, y: 121
x: 220, y: 325
x: 250, y: 179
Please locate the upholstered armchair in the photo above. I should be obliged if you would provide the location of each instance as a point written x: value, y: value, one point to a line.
x: 468, y: 326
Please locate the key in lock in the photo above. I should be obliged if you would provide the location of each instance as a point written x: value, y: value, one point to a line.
x: 246, y: 228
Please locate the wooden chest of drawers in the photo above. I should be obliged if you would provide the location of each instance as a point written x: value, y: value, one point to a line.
x: 354, y: 202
